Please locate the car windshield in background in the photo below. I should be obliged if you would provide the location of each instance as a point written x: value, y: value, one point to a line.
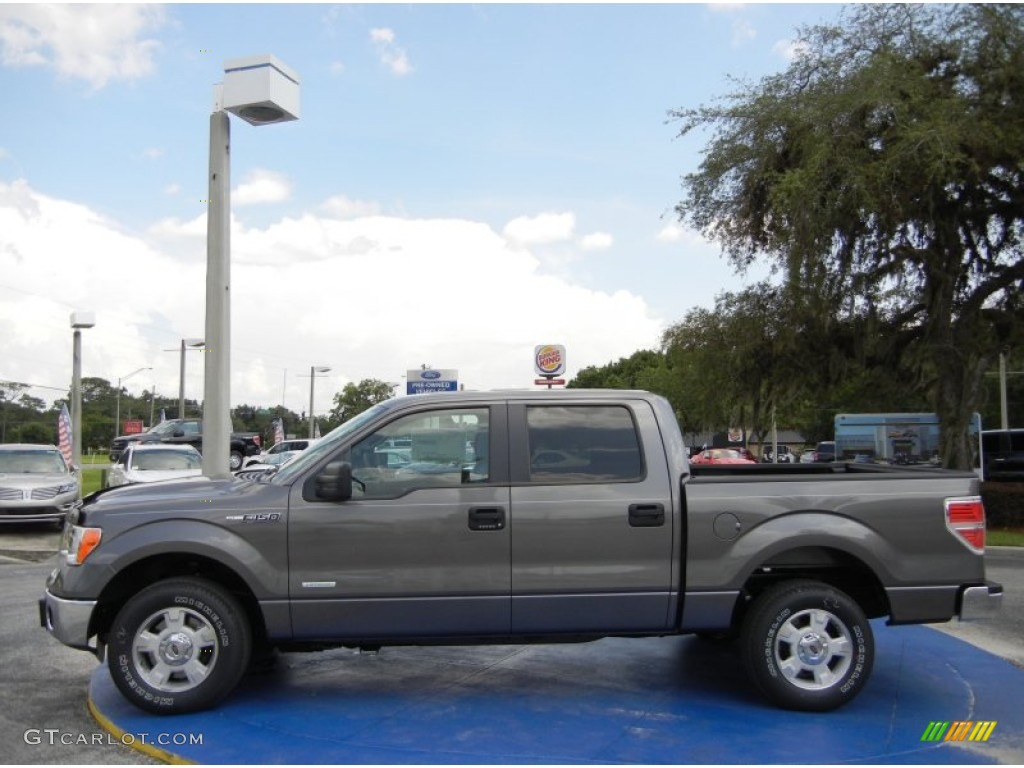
x: 31, y: 462
x: 166, y: 460
x: 163, y: 428
x: 327, y: 444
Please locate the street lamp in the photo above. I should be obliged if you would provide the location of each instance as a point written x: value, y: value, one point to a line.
x: 117, y: 417
x: 313, y: 371
x: 186, y: 344
x: 79, y: 320
x: 261, y: 90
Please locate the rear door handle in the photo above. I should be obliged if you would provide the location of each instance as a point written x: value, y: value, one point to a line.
x: 486, y: 518
x: 646, y: 515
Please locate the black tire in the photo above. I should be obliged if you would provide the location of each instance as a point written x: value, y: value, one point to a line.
x: 235, y: 461
x: 180, y: 645
x: 807, y: 646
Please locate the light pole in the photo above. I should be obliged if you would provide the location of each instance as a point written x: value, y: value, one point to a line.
x: 186, y: 344
x: 79, y: 320
x: 261, y: 90
x: 117, y: 412
x: 313, y: 371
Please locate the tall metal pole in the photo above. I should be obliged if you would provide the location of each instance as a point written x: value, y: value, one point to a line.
x: 181, y: 384
x: 76, y: 405
x: 312, y: 378
x: 1004, y: 413
x: 217, y: 386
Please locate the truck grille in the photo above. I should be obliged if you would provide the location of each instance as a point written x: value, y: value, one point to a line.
x: 11, y: 494
x: 45, y: 493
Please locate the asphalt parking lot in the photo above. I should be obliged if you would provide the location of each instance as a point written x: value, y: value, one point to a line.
x: 616, y: 701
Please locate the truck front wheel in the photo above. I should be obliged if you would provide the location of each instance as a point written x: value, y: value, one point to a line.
x: 177, y: 646
x: 235, y: 461
x: 807, y: 646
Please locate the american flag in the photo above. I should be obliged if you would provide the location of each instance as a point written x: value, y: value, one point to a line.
x: 278, y: 431
x: 64, y: 433
x: 163, y: 416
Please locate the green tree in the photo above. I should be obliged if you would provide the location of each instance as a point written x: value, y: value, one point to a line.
x: 356, y: 398
x: 883, y: 175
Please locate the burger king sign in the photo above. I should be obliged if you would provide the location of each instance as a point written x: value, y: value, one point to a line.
x: 549, y: 360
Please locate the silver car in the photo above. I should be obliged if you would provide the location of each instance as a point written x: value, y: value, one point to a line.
x: 151, y: 462
x: 36, y: 485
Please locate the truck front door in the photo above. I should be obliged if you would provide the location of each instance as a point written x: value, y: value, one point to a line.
x: 422, y: 548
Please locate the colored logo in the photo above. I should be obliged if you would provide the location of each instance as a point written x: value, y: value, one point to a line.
x: 959, y: 730
x: 549, y: 359
x: 430, y: 374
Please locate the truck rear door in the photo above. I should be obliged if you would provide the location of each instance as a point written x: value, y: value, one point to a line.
x: 591, y: 518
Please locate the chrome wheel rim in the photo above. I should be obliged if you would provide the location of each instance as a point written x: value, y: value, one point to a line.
x: 813, y: 649
x: 175, y: 650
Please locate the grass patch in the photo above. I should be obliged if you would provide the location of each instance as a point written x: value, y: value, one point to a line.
x: 92, y: 480
x: 96, y: 458
x: 1005, y: 537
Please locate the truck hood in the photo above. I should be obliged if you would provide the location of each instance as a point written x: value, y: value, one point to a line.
x: 196, y: 494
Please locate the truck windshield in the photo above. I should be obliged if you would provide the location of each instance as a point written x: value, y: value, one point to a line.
x: 333, y: 439
x: 164, y: 428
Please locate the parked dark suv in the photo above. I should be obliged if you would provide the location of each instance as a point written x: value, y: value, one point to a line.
x: 825, y: 451
x: 1003, y: 452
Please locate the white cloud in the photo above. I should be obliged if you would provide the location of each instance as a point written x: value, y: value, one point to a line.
x: 262, y: 186
x: 172, y: 189
x: 95, y: 43
x: 337, y: 68
x: 742, y: 32
x: 391, y: 55
x: 541, y: 229
x: 152, y: 153
x: 342, y: 207
x: 369, y: 296
x: 596, y: 241
x: 789, y: 50
x: 671, y: 233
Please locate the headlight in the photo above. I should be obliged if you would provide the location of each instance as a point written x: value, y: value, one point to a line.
x: 78, y: 542
x: 67, y: 487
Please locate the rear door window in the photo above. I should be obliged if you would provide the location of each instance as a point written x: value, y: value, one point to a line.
x: 583, y: 444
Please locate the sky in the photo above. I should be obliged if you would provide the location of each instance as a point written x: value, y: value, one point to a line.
x: 465, y: 182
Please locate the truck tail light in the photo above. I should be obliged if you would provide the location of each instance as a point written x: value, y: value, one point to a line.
x: 965, y: 517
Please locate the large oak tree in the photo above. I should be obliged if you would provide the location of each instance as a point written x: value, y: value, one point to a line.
x: 882, y: 173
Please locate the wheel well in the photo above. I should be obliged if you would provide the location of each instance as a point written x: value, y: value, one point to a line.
x: 831, y: 566
x: 168, y: 565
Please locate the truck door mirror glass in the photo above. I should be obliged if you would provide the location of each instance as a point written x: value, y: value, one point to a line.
x: 179, y: 432
x: 334, y: 482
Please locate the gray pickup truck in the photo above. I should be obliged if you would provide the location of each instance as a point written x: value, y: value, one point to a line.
x: 512, y: 517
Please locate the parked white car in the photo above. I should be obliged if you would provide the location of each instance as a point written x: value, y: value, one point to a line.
x: 291, y: 447
x: 152, y: 462
x: 36, y: 485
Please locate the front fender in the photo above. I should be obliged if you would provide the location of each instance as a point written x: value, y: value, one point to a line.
x: 259, y: 557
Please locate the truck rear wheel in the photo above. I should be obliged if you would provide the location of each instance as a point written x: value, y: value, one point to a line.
x: 235, y: 461
x: 177, y: 646
x: 807, y: 646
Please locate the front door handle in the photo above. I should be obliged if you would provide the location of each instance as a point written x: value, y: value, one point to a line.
x: 486, y: 518
x: 646, y: 515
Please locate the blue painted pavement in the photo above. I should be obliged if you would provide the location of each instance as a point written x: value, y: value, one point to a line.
x: 657, y: 700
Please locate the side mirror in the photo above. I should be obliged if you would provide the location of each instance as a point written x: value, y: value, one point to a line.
x: 178, y: 433
x: 334, y: 482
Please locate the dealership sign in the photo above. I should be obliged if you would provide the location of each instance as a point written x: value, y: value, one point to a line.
x: 421, y: 381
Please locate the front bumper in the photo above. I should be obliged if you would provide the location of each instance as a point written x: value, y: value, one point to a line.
x: 980, y: 602
x: 67, y: 620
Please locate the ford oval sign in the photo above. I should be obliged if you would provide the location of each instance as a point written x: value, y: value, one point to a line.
x: 430, y: 374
